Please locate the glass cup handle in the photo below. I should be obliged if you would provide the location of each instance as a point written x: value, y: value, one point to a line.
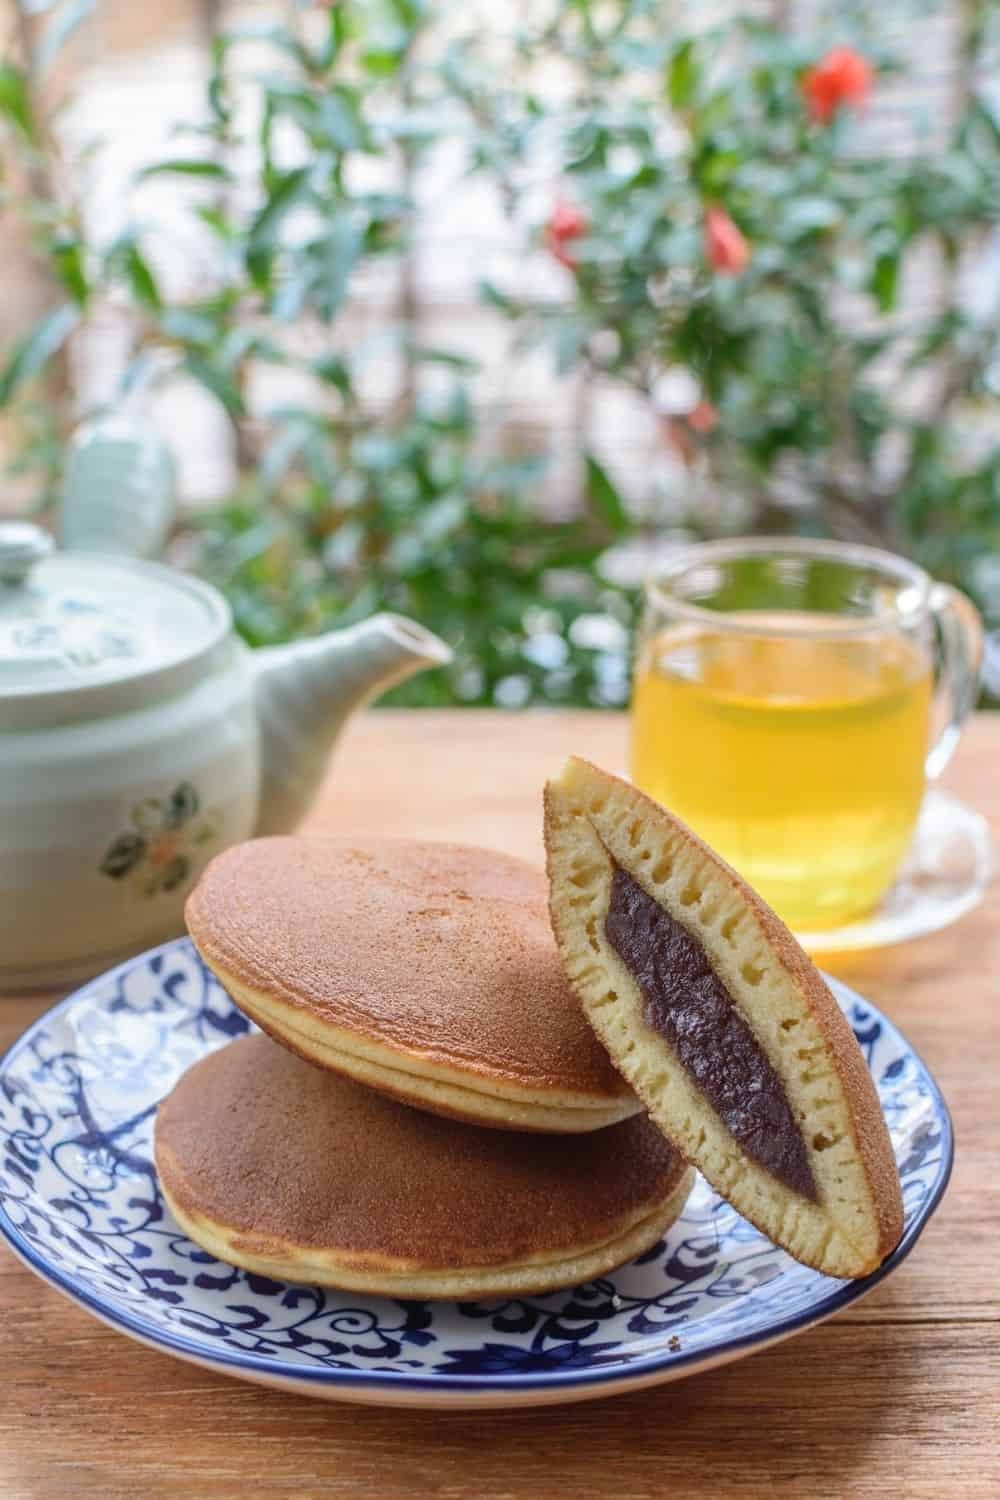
x: 961, y: 636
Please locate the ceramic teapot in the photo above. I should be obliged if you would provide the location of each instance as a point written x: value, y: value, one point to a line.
x: 139, y: 736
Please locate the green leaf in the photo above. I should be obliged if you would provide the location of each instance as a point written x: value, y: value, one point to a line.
x: 140, y: 277
x: 289, y: 187
x: 188, y: 325
x: 241, y: 342
x: 682, y: 75
x: 805, y: 214
x: 382, y: 62
x: 59, y: 30
x: 340, y: 118
x: 262, y: 237
x: 332, y: 369
x: 604, y: 496
x: 182, y: 804
x: 715, y: 169
x: 15, y: 101
x: 217, y: 221
x: 125, y: 257
x: 67, y: 259
x: 447, y: 357
x: 409, y: 13
x: 336, y: 255
x: 495, y: 297
x: 292, y: 292
x: 281, y: 453
x: 122, y: 855
x: 138, y: 373
x: 570, y: 337
x: 222, y: 387
x: 378, y: 452
x: 186, y: 167
x: 884, y: 284
x: 985, y: 107
x: 218, y: 101
x: 338, y: 32
x: 939, y: 334
x: 34, y: 351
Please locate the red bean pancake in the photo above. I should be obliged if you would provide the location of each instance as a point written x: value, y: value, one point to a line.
x: 428, y: 971
x: 278, y: 1166
x: 721, y: 1024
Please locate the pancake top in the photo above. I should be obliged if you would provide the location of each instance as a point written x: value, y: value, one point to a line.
x: 441, y: 952
x: 265, y: 1143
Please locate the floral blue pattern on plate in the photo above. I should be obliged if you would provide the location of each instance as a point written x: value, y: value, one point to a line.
x: 80, y: 1204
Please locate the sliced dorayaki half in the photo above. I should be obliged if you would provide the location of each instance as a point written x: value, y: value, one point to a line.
x: 721, y: 1024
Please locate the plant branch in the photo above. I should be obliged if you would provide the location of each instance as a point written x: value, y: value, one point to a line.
x: 57, y: 378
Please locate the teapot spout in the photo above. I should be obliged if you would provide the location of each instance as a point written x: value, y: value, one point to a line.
x: 305, y: 692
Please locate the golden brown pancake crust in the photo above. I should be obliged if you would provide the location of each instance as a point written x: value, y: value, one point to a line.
x: 278, y: 1150
x: 441, y: 953
x: 594, y: 821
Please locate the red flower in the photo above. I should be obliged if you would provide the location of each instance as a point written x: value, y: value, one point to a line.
x: 567, y: 222
x: 843, y: 76
x: 162, y: 849
x: 676, y: 434
x: 703, y: 417
x: 726, y: 249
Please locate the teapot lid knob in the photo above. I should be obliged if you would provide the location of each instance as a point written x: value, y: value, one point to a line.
x: 22, y: 545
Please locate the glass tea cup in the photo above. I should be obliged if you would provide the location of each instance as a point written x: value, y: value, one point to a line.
x: 783, y: 701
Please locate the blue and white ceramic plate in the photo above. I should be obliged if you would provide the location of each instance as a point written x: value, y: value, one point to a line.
x: 80, y: 1204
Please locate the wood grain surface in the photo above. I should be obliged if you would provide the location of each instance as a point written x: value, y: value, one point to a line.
x: 899, y: 1395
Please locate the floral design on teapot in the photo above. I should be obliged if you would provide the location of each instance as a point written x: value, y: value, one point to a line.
x: 156, y: 853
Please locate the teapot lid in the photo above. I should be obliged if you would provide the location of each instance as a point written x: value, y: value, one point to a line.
x: 79, y: 632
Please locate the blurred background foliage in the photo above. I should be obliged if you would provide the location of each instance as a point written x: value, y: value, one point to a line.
x: 723, y: 241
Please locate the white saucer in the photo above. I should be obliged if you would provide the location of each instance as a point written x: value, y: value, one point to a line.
x: 946, y: 873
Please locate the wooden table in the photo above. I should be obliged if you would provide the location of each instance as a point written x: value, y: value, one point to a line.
x: 899, y: 1395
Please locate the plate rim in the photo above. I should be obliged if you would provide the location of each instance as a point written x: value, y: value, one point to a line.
x: 608, y: 1378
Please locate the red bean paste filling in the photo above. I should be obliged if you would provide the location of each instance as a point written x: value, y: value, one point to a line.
x: 690, y: 1008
